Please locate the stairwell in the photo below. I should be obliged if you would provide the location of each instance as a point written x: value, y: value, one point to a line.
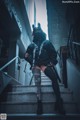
x: 21, y: 102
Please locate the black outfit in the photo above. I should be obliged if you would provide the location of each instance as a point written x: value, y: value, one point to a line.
x: 45, y: 56
x: 48, y: 54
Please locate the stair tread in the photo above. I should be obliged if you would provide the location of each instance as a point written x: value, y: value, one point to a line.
x: 43, y: 88
x: 14, y: 99
x: 48, y: 107
x: 34, y: 85
x: 46, y: 115
x: 43, y: 116
x: 34, y: 102
x: 33, y: 97
x: 33, y: 92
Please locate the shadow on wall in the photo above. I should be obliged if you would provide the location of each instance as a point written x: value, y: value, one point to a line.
x: 73, y: 74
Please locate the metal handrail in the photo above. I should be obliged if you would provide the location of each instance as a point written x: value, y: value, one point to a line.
x: 7, y: 64
x: 76, y: 43
x: 10, y: 77
x: 1, y: 70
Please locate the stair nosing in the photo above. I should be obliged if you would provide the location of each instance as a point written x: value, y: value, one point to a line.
x: 33, y: 102
x: 43, y: 92
x: 42, y: 115
x: 34, y: 85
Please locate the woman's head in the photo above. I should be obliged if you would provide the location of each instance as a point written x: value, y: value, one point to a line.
x: 38, y: 35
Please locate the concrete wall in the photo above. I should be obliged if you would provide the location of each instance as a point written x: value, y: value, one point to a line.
x: 28, y: 75
x: 41, y: 15
x: 19, y: 44
x: 73, y: 74
x: 24, y: 73
x: 12, y: 54
x: 21, y: 72
x: 22, y: 17
x: 29, y: 5
x: 57, y: 25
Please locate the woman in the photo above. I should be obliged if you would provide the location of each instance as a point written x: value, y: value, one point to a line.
x: 45, y: 60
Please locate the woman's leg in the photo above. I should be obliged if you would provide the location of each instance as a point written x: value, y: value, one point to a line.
x: 37, y: 78
x: 51, y: 74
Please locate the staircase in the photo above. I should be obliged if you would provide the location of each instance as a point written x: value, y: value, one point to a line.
x: 21, y: 102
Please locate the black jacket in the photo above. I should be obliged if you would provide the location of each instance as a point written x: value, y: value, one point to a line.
x: 48, y: 54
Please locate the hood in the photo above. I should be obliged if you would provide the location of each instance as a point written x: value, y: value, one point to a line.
x: 39, y: 37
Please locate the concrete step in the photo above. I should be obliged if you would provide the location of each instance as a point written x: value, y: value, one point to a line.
x: 43, y: 82
x: 48, y: 81
x: 47, y: 88
x: 43, y: 117
x: 31, y: 96
x: 20, y: 87
x: 45, y: 77
x: 31, y: 107
x: 60, y: 84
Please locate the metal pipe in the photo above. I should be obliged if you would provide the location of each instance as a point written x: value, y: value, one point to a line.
x: 7, y: 64
x: 76, y: 43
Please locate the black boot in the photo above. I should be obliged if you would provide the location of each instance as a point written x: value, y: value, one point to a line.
x: 59, y: 102
x: 49, y: 72
x: 39, y: 107
x: 59, y: 108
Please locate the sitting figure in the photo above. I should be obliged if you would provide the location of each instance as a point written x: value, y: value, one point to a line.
x: 45, y: 59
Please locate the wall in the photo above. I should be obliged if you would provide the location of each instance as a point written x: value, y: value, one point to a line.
x: 28, y: 75
x: 23, y: 18
x: 29, y: 5
x: 41, y: 15
x: 73, y: 74
x: 57, y: 25
x: 22, y: 40
x: 24, y: 73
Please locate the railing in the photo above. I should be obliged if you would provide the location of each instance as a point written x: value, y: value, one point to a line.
x: 6, y: 78
x: 76, y: 43
x: 74, y: 51
x: 7, y: 64
x: 73, y: 46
